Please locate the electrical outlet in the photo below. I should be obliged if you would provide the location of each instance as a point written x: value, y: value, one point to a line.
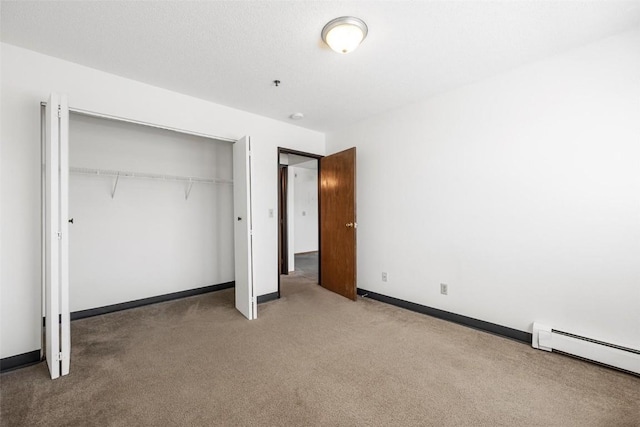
x: 384, y: 276
x: 444, y: 289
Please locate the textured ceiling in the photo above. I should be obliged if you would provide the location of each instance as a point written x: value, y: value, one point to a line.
x: 230, y: 52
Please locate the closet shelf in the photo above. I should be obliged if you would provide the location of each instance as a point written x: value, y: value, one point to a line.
x: 145, y: 175
x: 189, y: 180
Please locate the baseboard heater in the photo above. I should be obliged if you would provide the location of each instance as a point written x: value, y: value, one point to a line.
x: 548, y: 339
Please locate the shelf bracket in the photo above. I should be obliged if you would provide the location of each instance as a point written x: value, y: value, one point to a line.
x: 115, y: 185
x: 186, y: 194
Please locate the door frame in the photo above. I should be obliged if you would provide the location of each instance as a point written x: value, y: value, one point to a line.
x: 317, y: 157
x: 283, y: 220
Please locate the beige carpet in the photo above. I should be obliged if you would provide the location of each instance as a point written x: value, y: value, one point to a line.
x: 312, y: 358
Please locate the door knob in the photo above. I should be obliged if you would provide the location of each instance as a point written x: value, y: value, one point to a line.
x: 349, y: 224
x: 71, y: 220
x: 239, y: 218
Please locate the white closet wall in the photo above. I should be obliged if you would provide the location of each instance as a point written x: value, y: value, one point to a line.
x: 148, y: 239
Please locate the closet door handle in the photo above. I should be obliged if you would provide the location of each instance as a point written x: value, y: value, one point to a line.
x: 71, y: 220
x: 239, y: 218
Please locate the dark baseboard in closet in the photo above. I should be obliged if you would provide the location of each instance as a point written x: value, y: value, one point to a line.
x: 19, y: 361
x: 268, y: 297
x: 493, y: 328
x: 146, y: 301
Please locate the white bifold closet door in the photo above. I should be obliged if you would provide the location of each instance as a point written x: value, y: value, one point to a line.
x: 57, y: 315
x: 245, y: 298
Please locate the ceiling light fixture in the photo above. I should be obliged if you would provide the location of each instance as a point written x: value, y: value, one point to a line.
x: 344, y: 34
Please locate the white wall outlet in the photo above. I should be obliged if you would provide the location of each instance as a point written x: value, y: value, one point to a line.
x: 444, y: 289
x: 384, y: 276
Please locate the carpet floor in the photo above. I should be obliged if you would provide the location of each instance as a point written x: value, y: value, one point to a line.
x: 311, y: 358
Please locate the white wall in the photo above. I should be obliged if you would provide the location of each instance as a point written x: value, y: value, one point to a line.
x: 148, y: 240
x: 305, y: 213
x: 521, y: 192
x: 27, y: 79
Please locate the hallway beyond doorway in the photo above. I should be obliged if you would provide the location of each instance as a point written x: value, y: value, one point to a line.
x: 307, y: 265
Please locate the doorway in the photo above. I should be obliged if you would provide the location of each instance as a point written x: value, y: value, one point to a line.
x: 335, y: 197
x: 298, y: 215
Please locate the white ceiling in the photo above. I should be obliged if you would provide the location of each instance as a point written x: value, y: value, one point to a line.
x: 230, y: 52
x: 302, y: 161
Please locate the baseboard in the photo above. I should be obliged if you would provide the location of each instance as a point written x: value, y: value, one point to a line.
x: 493, y: 328
x: 82, y: 314
x: 19, y: 361
x: 268, y: 297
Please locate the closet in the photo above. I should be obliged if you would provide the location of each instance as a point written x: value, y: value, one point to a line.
x: 152, y: 212
x: 135, y: 213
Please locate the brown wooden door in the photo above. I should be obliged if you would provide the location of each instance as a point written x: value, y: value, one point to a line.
x: 338, y: 223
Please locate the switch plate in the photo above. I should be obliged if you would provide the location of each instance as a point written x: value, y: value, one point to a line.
x: 384, y: 276
x: 444, y: 289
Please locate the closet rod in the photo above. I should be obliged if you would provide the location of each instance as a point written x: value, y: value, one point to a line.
x: 139, y: 122
x: 129, y: 174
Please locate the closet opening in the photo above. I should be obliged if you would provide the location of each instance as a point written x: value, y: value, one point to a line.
x: 152, y: 211
x: 150, y: 214
x: 136, y: 213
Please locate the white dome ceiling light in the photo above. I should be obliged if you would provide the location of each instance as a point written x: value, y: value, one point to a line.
x: 344, y: 34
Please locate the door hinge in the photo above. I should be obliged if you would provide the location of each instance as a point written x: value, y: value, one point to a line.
x: 59, y: 111
x: 59, y: 234
x: 59, y: 357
